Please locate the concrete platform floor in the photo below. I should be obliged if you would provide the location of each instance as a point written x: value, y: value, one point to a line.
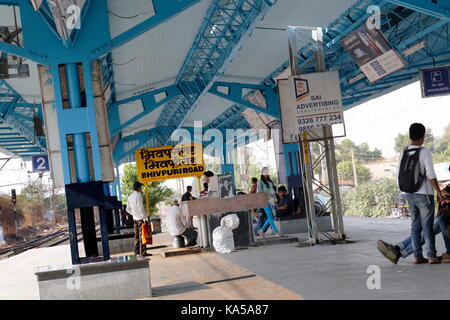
x: 203, y: 276
x: 340, y: 271
x: 269, y: 272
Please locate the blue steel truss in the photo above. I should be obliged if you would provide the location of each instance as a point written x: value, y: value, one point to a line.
x: 91, y: 41
x: 51, y: 10
x: 17, y: 133
x: 405, y: 23
x: 106, y: 65
x: 227, y: 25
x: 44, y: 45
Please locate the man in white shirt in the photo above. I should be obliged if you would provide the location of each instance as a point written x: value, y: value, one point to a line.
x: 421, y: 202
x: 177, y: 226
x: 135, y: 207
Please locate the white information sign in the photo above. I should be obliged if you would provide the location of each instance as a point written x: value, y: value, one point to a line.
x: 309, y: 101
x: 382, y: 66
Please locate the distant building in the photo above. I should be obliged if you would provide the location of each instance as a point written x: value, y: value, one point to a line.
x: 388, y: 169
x: 383, y: 169
x: 442, y: 172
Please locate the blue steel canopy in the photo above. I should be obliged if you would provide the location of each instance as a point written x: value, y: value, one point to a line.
x: 164, y: 59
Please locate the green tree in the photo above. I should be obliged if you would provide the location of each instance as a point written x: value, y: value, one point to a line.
x: 344, y: 150
x: 33, y: 202
x: 442, y: 147
x: 371, y: 199
x: 402, y: 141
x: 128, y: 179
x: 345, y: 171
x: 362, y: 152
x: 158, y: 193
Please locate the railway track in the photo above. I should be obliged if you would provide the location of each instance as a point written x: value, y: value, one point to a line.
x: 51, y: 240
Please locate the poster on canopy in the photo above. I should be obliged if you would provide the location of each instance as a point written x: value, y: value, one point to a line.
x: 170, y: 162
x: 372, y: 53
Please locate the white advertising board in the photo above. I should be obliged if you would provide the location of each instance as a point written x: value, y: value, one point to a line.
x: 309, y: 101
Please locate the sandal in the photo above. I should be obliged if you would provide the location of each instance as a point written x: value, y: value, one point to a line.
x: 420, y: 261
x: 434, y: 261
x: 445, y: 258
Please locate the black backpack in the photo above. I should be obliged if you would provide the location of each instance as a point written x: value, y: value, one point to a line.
x: 410, y: 178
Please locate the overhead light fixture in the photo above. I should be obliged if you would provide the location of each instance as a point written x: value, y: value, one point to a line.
x: 357, y: 78
x: 414, y: 48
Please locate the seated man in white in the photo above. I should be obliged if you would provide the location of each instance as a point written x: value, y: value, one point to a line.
x: 178, y: 227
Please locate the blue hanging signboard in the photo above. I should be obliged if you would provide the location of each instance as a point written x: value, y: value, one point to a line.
x: 435, y: 81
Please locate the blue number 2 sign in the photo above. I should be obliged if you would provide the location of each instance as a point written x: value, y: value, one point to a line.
x: 40, y: 163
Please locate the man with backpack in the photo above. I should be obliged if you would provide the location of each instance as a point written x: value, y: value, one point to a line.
x: 393, y: 252
x: 416, y: 178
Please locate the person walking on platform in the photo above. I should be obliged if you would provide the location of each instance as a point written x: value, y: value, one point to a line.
x: 265, y: 185
x: 416, y: 178
x: 135, y: 207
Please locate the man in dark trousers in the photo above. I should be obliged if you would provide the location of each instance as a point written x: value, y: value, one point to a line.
x: 417, y: 179
x: 135, y: 207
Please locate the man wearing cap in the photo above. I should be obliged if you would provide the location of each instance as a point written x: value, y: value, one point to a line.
x: 135, y: 207
x: 177, y: 226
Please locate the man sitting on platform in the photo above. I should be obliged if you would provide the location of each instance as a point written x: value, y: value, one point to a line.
x: 187, y: 196
x: 178, y: 227
x: 284, y: 203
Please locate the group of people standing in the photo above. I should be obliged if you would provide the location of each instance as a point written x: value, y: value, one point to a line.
x: 280, y: 202
x: 177, y: 226
x: 417, y: 179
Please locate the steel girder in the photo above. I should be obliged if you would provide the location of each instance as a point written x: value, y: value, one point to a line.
x: 403, y: 27
x: 43, y: 44
x: 53, y: 14
x: 93, y: 40
x: 18, y: 116
x: 227, y: 25
x: 150, y: 101
x: 435, y: 8
x: 125, y: 148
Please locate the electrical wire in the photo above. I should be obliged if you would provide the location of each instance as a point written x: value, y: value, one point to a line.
x: 125, y: 63
x: 125, y: 84
x: 123, y: 17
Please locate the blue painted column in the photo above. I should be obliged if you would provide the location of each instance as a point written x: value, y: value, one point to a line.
x: 82, y: 168
x: 79, y: 139
x: 291, y: 160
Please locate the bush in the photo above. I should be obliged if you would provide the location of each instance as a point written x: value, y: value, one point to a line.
x: 371, y: 199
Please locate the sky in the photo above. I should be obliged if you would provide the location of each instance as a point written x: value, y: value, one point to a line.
x: 379, y: 121
x: 376, y: 122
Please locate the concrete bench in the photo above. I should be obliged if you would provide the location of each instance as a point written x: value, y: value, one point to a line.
x: 297, y: 224
x: 118, y: 243
x: 120, y: 278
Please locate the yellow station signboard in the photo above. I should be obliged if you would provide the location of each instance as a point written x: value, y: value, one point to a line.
x: 170, y: 162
